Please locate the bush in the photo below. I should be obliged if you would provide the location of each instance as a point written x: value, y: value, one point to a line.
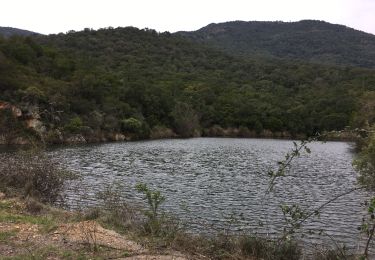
x: 365, y: 163
x: 74, y: 126
x: 32, y: 175
x: 253, y: 246
x: 33, y: 206
x: 186, y: 120
x: 131, y: 125
x: 10, y: 126
x: 114, y: 211
x: 159, y: 132
x: 261, y: 248
x: 137, y: 128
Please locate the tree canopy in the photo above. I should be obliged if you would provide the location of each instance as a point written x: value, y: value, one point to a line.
x: 127, y: 79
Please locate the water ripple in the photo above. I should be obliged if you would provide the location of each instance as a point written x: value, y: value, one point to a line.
x: 216, y: 178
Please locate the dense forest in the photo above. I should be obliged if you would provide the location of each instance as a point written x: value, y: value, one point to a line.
x: 142, y: 84
x: 308, y: 40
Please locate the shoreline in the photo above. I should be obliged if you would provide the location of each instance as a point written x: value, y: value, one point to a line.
x: 77, y: 139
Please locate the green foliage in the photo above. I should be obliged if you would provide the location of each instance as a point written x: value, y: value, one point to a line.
x: 74, y: 125
x: 156, y: 221
x: 293, y: 217
x: 285, y: 164
x: 154, y: 200
x: 160, y: 79
x: 131, y: 125
x: 365, y: 163
x: 309, y: 40
x: 186, y: 121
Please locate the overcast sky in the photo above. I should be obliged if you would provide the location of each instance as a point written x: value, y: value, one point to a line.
x: 54, y: 16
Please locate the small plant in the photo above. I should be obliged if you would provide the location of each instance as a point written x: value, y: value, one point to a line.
x: 154, y: 200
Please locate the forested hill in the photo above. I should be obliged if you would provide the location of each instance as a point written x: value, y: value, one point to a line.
x: 308, y: 40
x: 9, y: 31
x: 140, y: 82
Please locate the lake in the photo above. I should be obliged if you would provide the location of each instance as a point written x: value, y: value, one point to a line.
x: 211, y: 182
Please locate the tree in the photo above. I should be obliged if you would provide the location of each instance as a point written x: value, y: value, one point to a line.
x: 186, y: 121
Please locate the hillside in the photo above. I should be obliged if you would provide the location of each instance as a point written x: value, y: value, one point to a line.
x: 308, y: 40
x: 9, y: 31
x: 141, y: 84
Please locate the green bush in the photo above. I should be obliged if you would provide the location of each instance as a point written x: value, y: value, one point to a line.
x: 186, y: 120
x: 131, y: 125
x: 365, y: 163
x: 74, y: 126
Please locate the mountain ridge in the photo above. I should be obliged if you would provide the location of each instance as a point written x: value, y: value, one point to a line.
x: 11, y: 31
x: 308, y: 40
x: 98, y: 85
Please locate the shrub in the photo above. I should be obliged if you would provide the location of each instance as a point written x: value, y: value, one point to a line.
x: 32, y: 174
x: 33, y: 206
x: 334, y: 254
x: 159, y: 132
x: 10, y: 126
x: 74, y: 126
x: 253, y: 246
x: 186, y: 120
x: 114, y: 211
x: 131, y: 125
x: 365, y: 163
x: 261, y: 248
x: 154, y: 200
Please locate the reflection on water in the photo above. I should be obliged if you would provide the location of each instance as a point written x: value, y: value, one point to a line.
x: 207, y: 180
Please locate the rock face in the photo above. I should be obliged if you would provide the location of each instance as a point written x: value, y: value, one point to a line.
x: 76, y: 139
x: 117, y: 137
x: 33, y: 120
x: 54, y: 137
x: 29, y: 117
x: 160, y: 132
x: 36, y: 125
x: 16, y: 112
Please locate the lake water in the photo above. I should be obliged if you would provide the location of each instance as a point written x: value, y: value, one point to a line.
x: 211, y: 182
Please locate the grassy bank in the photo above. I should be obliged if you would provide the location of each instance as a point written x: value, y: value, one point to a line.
x: 31, y: 230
